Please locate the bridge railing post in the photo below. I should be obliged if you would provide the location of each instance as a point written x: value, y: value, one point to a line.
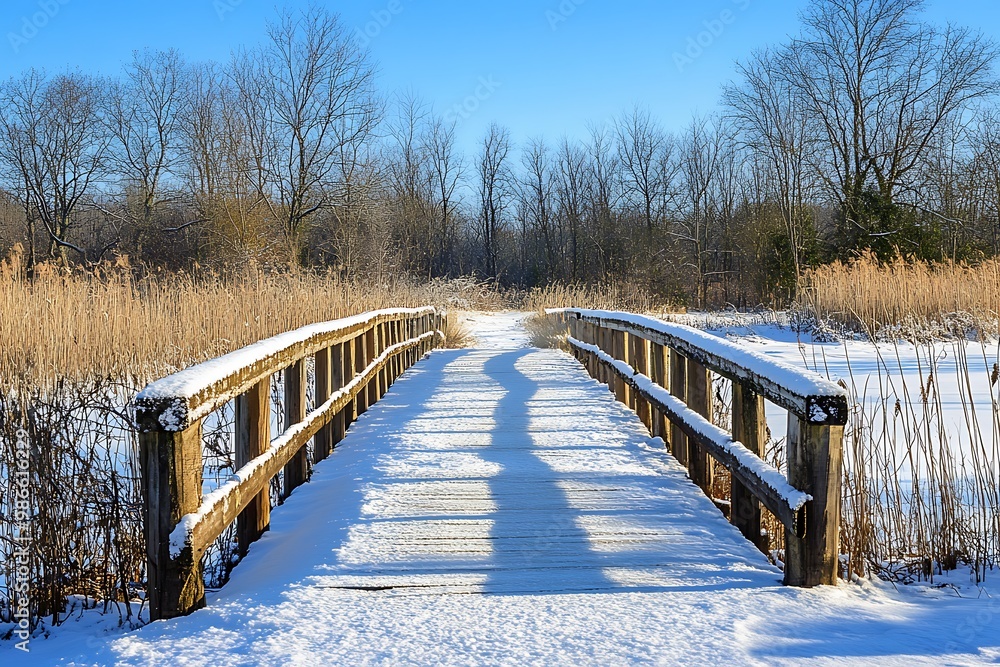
x: 253, y: 436
x: 171, y: 466
x: 699, y: 399
x: 322, y: 384
x: 815, y: 466
x: 337, y: 381
x: 658, y: 370
x: 678, y: 387
x: 640, y: 362
x: 297, y: 468
x: 750, y: 428
x: 361, y: 363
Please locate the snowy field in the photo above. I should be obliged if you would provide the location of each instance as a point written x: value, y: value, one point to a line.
x: 572, y: 539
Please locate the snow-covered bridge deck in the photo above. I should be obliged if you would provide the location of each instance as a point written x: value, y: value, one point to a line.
x: 499, y: 506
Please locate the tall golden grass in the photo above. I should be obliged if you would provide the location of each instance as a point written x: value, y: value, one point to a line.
x: 77, y: 327
x: 875, y: 295
x: 626, y: 296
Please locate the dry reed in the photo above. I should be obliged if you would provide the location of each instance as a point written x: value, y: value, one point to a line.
x: 611, y: 296
x: 905, y: 295
x: 60, y: 328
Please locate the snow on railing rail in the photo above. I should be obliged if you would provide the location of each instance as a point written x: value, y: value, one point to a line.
x: 808, y: 394
x: 176, y: 401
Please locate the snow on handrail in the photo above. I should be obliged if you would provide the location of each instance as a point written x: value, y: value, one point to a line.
x: 178, y: 400
x: 807, y: 394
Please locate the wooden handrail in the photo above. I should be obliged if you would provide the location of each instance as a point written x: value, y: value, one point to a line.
x: 177, y: 401
x: 356, y: 360
x: 674, y: 401
x: 811, y: 397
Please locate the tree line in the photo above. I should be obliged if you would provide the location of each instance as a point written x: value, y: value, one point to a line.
x: 871, y: 131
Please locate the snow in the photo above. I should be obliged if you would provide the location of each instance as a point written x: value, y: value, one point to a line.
x: 499, y: 507
x: 497, y: 330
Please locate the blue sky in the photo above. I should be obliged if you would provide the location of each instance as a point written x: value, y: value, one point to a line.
x: 541, y: 67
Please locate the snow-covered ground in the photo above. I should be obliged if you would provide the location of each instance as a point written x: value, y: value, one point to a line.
x: 499, y: 507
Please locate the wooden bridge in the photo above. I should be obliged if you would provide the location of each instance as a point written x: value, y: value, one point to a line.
x: 508, y: 470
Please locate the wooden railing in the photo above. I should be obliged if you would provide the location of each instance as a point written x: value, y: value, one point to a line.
x: 663, y: 371
x: 356, y: 359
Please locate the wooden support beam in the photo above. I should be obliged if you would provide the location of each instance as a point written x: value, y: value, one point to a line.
x: 337, y: 381
x: 297, y: 468
x: 699, y: 399
x: 323, y: 442
x: 658, y: 369
x: 253, y: 436
x: 750, y: 428
x: 171, y: 483
x: 678, y: 387
x: 815, y: 460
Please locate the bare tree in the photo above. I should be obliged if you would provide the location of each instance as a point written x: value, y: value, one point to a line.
x: 570, y: 193
x: 494, y: 191
x: 879, y: 85
x: 645, y: 153
x: 445, y: 168
x: 537, y: 194
x: 143, y: 113
x: 774, y: 124
x: 310, y: 94
x: 54, y: 143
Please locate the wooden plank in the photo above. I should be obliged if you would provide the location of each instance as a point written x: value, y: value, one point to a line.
x: 750, y: 428
x: 296, y: 470
x: 678, y: 387
x: 253, y: 436
x: 831, y: 409
x: 815, y: 460
x: 699, y: 399
x: 171, y: 483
